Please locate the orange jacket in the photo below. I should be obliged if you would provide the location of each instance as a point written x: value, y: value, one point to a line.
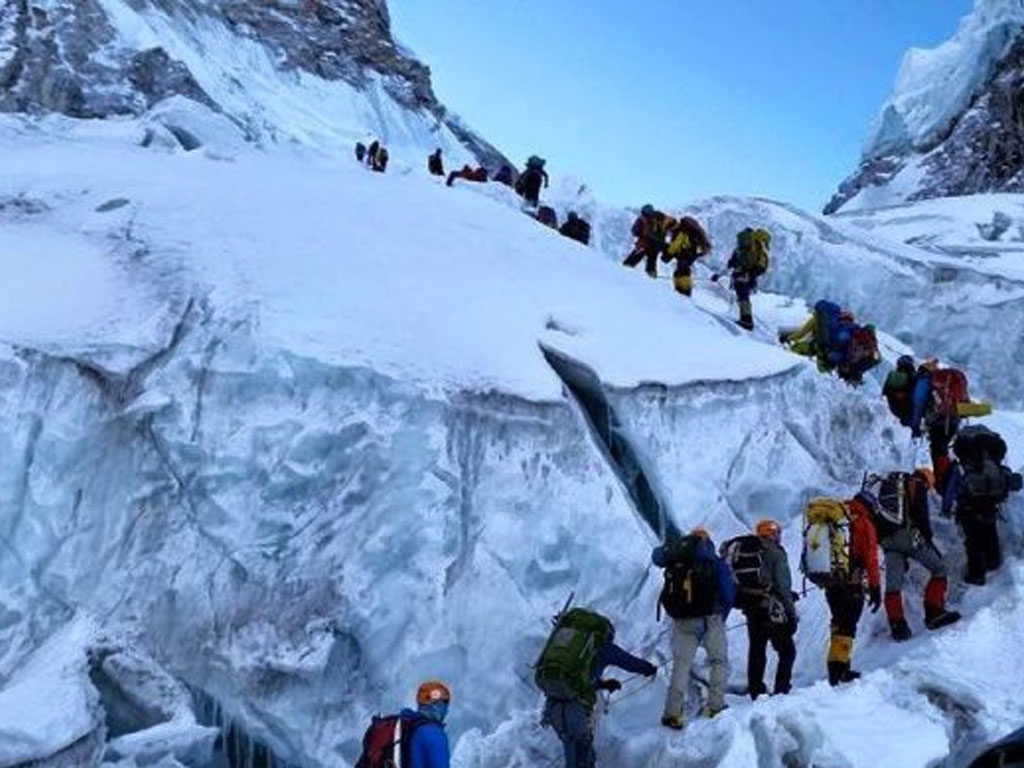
x: 863, y: 543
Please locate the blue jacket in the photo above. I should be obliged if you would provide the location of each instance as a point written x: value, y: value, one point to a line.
x: 726, y: 597
x: 429, y: 745
x: 611, y: 655
x: 920, y: 398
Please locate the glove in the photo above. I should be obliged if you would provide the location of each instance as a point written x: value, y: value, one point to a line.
x: 715, y: 277
x: 791, y: 624
x: 874, y: 598
x: 650, y: 670
x: 795, y: 596
x: 611, y: 686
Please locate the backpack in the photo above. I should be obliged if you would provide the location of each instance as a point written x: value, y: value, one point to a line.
x: 535, y: 162
x: 565, y: 669
x: 949, y: 389
x: 752, y: 251
x: 826, y: 552
x: 386, y: 741
x: 893, y: 509
x: 861, y: 353
x: 690, y: 590
x: 898, y: 391
x: 689, y: 236
x: 546, y: 215
x: 976, y: 443
x: 746, y: 558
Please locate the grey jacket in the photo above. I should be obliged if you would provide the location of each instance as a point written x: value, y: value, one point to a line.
x: 782, y: 580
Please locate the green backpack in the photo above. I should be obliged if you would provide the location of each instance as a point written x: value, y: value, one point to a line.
x: 565, y: 669
x: 752, y: 250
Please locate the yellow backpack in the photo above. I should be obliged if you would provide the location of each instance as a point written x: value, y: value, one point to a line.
x: 826, y: 553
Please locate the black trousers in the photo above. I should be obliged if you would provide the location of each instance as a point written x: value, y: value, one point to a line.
x: 846, y: 602
x: 981, y: 542
x: 643, y: 252
x: 761, y: 631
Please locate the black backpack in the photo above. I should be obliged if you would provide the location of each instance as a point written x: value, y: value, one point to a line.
x: 746, y: 557
x: 976, y: 443
x: 690, y: 590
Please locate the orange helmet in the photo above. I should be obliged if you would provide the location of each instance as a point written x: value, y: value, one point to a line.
x: 433, y: 691
x: 768, y: 528
x: 701, y: 532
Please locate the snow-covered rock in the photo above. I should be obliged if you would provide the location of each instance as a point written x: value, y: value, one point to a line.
x: 952, y: 125
x: 321, y: 73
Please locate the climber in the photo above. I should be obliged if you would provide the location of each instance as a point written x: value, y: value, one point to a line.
x: 904, y: 528
x: 506, y: 176
x: 765, y: 595
x: 576, y: 229
x: 371, y: 153
x: 899, y: 388
x: 833, y: 337
x: 687, y: 242
x: 477, y: 175
x: 529, y: 182
x: 360, y: 152
x: 435, y: 165
x: 649, y: 229
x: 415, y: 739
x: 938, y: 402
x: 569, y: 670
x: 840, y: 549
x: 379, y: 159
x: 977, y: 486
x: 698, y: 594
x: 746, y: 264
x: 546, y: 215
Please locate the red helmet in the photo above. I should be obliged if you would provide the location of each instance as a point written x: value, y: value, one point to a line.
x: 433, y: 691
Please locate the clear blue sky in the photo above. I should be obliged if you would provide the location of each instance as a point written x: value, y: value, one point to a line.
x: 668, y: 100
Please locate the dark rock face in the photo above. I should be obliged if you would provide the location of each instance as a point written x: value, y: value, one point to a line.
x: 983, y: 150
x: 65, y: 56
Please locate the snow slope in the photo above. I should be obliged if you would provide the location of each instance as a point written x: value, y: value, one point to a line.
x: 283, y: 425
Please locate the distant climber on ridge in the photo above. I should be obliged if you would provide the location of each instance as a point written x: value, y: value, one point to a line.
x: 478, y: 175
x: 569, y: 672
x: 697, y: 595
x: 506, y: 176
x: 434, y: 163
x: 530, y: 181
x: 687, y: 242
x: 414, y: 739
x: 748, y: 262
x: 576, y: 229
x: 650, y: 229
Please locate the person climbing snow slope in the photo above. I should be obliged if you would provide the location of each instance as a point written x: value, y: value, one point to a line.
x: 841, y: 553
x: 749, y: 260
x: 687, y: 242
x: 832, y: 336
x: 569, y: 672
x: 650, y: 229
x: 765, y: 595
x: 576, y: 229
x: 530, y: 181
x: 978, y: 485
x: 435, y: 165
x: 903, y: 522
x: 698, y: 594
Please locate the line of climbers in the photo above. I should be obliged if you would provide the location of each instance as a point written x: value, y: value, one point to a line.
x: 684, y: 241
x: 527, y: 185
x: 751, y: 572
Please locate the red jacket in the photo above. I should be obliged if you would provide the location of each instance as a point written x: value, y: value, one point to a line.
x: 863, y: 543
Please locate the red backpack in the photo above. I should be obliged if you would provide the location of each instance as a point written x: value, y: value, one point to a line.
x: 949, y: 388
x: 386, y: 742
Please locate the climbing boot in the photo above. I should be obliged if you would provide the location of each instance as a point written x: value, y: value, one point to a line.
x: 675, y: 722
x: 900, y: 630
x: 942, y: 619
